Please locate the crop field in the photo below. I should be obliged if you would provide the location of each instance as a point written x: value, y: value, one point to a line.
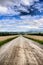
x: 35, y: 38
x: 5, y: 39
x: 2, y: 38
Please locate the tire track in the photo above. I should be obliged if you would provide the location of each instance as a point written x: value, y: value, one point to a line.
x: 21, y: 51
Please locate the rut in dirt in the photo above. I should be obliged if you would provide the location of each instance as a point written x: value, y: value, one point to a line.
x: 21, y: 51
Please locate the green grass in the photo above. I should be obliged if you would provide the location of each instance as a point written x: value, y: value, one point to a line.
x: 41, y: 42
x: 7, y: 40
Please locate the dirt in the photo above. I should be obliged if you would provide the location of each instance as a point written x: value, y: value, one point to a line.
x: 21, y: 51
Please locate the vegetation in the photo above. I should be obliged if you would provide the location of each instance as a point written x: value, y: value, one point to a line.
x: 7, y: 40
x: 38, y: 39
x: 18, y: 33
x: 8, y: 33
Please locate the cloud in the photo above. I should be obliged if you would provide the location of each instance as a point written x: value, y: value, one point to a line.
x: 21, y: 25
x: 20, y: 6
x: 29, y: 2
x: 3, y: 9
x: 21, y: 15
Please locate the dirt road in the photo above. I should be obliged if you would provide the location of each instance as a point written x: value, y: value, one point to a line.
x: 21, y: 51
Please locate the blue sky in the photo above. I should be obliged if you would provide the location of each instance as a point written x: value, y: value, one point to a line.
x: 21, y: 15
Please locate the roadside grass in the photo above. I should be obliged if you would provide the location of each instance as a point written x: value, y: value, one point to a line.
x: 7, y: 40
x: 39, y: 41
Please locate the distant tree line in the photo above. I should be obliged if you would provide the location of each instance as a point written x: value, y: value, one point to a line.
x: 19, y: 33
x: 7, y: 33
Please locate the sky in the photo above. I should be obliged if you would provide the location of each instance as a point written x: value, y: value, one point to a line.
x: 21, y: 15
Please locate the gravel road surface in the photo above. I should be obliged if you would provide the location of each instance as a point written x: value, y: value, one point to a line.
x: 21, y: 51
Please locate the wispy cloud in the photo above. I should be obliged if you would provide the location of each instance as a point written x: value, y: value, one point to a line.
x: 21, y: 25
x: 21, y: 15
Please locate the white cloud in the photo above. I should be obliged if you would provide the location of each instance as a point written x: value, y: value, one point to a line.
x: 27, y: 22
x: 28, y: 2
x: 3, y: 9
x: 23, y: 25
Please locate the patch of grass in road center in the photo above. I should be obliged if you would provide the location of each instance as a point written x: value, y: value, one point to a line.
x: 39, y: 41
x: 7, y: 40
